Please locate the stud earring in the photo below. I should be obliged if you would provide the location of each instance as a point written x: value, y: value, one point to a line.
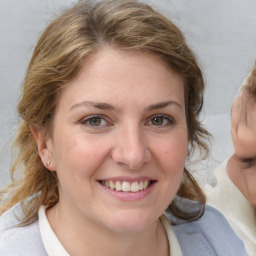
x: 48, y: 163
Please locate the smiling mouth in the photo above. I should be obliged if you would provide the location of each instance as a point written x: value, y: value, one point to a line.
x: 125, y: 186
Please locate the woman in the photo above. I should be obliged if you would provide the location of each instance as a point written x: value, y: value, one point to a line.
x: 110, y: 105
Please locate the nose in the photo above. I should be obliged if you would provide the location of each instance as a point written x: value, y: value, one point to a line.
x: 131, y: 148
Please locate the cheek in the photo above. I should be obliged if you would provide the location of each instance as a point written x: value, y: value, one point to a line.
x: 171, y: 158
x: 77, y: 156
x: 173, y: 152
x: 77, y: 161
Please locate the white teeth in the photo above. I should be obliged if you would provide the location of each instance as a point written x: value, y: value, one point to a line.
x: 118, y: 186
x: 141, y: 187
x: 126, y: 186
x: 145, y: 184
x: 135, y: 187
x: 111, y: 184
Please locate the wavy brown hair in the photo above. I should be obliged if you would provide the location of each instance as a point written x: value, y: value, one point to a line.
x: 58, y: 58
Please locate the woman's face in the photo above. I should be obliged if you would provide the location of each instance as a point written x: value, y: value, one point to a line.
x: 119, y: 140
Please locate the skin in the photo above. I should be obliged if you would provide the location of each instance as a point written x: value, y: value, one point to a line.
x: 141, y: 132
x: 242, y: 164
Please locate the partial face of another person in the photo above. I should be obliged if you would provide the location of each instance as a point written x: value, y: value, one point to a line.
x: 119, y: 140
x: 243, y: 130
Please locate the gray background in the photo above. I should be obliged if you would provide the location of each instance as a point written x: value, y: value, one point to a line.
x: 221, y: 32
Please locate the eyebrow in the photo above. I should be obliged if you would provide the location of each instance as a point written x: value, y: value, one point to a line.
x: 99, y: 105
x: 107, y: 106
x: 163, y: 105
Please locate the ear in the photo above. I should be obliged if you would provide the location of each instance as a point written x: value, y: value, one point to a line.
x: 44, y: 146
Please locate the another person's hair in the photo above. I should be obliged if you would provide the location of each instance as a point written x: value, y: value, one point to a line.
x: 57, y: 59
x: 250, y: 84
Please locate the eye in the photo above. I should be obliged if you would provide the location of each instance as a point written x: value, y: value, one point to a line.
x: 161, y: 120
x: 158, y: 120
x: 94, y: 121
x: 249, y: 162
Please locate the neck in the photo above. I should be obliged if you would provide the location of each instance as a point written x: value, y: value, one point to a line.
x: 86, y: 236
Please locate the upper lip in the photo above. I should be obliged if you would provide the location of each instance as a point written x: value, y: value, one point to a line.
x: 128, y: 179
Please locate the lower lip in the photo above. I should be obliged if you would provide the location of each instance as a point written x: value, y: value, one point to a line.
x: 129, y: 196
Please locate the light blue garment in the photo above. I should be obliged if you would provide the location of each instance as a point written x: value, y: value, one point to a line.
x: 210, y: 235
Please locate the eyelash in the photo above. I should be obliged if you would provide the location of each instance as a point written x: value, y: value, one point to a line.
x: 249, y: 162
x: 85, y: 121
x: 167, y: 121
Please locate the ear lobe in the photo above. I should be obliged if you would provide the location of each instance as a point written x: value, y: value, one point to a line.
x: 44, y: 146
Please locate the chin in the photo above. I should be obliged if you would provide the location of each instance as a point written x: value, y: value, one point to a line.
x: 131, y: 222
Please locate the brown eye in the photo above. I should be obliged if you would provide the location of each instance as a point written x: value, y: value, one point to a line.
x: 158, y: 120
x: 161, y: 121
x: 95, y: 121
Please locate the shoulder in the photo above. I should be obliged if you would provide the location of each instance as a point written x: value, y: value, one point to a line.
x: 209, y: 235
x: 17, y: 240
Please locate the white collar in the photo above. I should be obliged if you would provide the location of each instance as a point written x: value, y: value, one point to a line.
x: 53, y: 246
x: 173, y: 241
x: 51, y: 243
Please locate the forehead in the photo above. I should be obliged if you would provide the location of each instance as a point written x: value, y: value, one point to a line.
x: 108, y: 59
x: 114, y: 74
x: 244, y: 97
